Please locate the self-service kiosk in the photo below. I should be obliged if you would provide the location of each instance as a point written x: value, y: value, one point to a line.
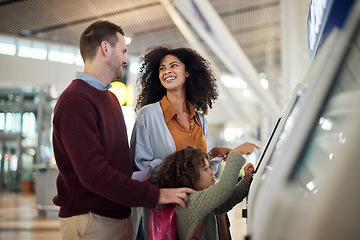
x: 282, y: 130
x: 318, y: 150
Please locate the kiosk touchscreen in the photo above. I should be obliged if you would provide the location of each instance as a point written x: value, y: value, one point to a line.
x: 279, y: 125
x: 271, y: 137
x: 268, y: 149
x: 321, y: 141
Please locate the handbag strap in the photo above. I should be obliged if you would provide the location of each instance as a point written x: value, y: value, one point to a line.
x: 196, y: 235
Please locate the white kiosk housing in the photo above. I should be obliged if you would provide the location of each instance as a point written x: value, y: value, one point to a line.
x: 312, y: 169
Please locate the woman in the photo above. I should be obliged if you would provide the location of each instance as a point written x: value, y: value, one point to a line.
x: 177, y: 87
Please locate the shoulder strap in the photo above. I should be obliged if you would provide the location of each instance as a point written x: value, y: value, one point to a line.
x: 196, y: 235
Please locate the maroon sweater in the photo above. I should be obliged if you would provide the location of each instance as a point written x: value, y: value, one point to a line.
x: 92, y: 153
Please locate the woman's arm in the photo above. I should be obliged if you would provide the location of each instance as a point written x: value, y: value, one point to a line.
x: 142, y: 154
x: 151, y: 141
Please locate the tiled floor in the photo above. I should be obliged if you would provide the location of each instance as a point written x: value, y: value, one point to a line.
x: 19, y: 220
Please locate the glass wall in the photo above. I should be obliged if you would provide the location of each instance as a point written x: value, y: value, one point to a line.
x: 25, y: 134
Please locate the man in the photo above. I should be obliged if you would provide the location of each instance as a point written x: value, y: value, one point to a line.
x: 94, y: 186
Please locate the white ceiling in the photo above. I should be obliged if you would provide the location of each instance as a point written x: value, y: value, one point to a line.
x: 255, y: 26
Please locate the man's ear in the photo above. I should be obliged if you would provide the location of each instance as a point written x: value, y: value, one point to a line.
x: 104, y: 47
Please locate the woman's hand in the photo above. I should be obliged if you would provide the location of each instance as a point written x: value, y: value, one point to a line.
x: 245, y: 148
x: 221, y: 151
x: 248, y: 170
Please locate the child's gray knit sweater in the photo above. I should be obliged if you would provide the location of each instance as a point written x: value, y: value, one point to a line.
x: 215, y: 200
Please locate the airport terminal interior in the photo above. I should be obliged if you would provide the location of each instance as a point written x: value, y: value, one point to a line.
x: 288, y: 78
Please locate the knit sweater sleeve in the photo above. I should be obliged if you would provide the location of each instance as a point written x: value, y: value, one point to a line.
x: 240, y: 192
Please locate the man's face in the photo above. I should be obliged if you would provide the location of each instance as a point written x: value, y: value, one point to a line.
x: 117, y: 58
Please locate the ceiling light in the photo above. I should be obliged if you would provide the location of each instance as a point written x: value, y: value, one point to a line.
x: 127, y: 40
x: 264, y: 83
x: 231, y: 81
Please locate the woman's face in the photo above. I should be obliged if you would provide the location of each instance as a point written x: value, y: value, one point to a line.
x: 207, y: 177
x: 172, y: 73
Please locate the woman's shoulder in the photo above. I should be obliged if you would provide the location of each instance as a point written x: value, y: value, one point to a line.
x: 150, y: 107
x: 151, y: 112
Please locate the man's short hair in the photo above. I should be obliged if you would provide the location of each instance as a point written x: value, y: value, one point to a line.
x: 94, y: 34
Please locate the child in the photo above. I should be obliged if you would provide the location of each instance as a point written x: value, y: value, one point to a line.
x: 190, y: 168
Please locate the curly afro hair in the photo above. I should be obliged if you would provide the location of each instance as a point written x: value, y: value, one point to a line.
x: 201, y: 87
x: 181, y: 169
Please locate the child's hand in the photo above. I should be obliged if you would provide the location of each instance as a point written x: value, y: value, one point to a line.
x: 245, y: 148
x: 249, y: 169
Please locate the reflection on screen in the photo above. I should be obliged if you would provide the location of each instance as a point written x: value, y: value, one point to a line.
x: 330, y: 131
x: 286, y: 130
